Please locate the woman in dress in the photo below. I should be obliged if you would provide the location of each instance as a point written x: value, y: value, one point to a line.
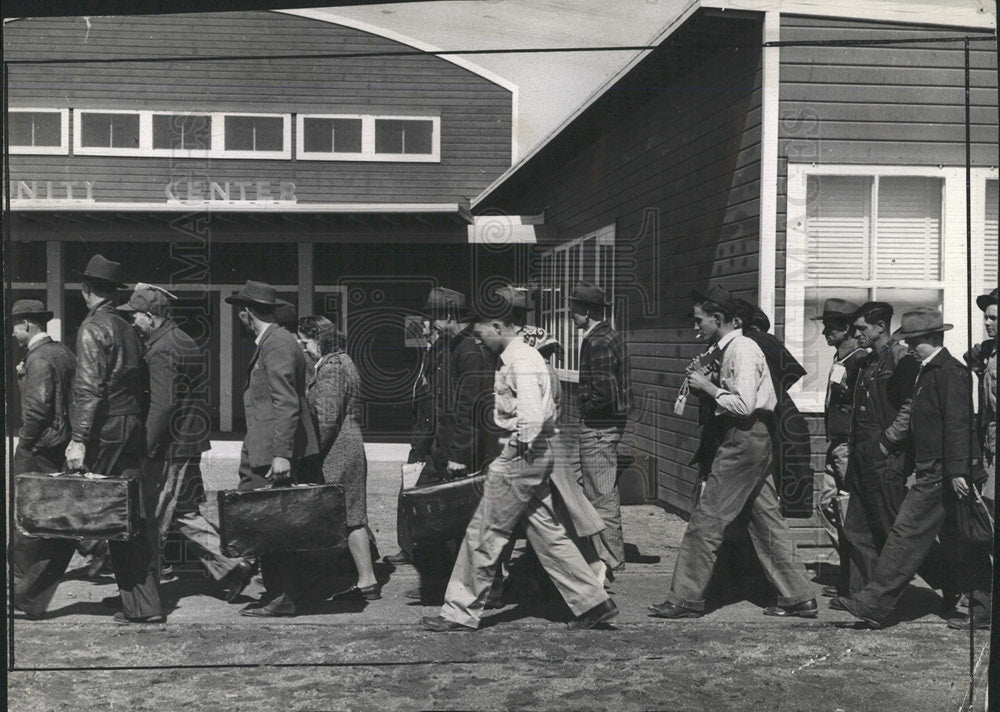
x: 334, y: 397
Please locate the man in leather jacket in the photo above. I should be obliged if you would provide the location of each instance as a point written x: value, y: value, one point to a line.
x: 108, y: 436
x: 45, y: 379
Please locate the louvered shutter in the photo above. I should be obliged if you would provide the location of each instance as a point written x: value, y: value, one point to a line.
x: 838, y: 223
x: 990, y: 237
x: 908, y: 229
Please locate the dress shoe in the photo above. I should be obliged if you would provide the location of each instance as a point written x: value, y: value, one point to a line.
x: 396, y: 559
x: 443, y: 625
x: 494, y: 604
x: 121, y: 619
x: 112, y: 602
x: 364, y: 593
x: 269, y: 610
x: 236, y: 580
x: 167, y: 572
x: 806, y: 609
x: 413, y: 593
x: 29, y: 615
x: 963, y: 624
x: 601, y: 613
x: 850, y: 606
x: 837, y: 603
x: 832, y: 591
x: 672, y: 610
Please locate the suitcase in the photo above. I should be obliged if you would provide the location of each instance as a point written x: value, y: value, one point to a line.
x: 441, y: 512
x: 71, y: 506
x: 279, y: 519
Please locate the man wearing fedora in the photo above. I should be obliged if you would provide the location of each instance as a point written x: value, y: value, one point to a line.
x: 45, y: 380
x: 945, y: 457
x: 838, y: 329
x: 280, y: 434
x: 982, y: 359
x: 605, y: 398
x: 463, y: 436
x: 108, y: 435
x: 739, y: 477
x: 880, y: 458
x: 177, y: 425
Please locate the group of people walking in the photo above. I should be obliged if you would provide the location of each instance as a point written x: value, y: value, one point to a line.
x: 488, y: 399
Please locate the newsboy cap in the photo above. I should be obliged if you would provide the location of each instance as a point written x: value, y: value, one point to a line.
x: 983, y: 301
x: 920, y: 321
x: 837, y: 309
x: 24, y: 308
x: 101, y: 269
x: 148, y: 298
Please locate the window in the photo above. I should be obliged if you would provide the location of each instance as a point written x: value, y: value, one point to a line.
x: 590, y: 258
x: 874, y: 234
x: 39, y: 131
x: 182, y: 134
x: 182, y: 131
x: 342, y: 137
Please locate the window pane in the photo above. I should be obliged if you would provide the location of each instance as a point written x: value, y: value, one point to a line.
x: 182, y: 131
x: 109, y: 130
x: 332, y: 135
x: 817, y: 356
x: 908, y: 233
x: 254, y: 133
x: 838, y: 217
x: 903, y: 300
x: 990, y: 237
x: 403, y: 136
x: 35, y: 128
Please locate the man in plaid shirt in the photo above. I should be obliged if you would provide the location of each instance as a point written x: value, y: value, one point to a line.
x: 605, y: 397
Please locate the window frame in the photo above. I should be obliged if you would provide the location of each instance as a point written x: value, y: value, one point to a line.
x: 557, y: 318
x: 61, y: 150
x: 953, y: 277
x: 218, y: 136
x: 368, y: 152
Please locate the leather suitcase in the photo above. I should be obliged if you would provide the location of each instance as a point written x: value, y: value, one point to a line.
x: 441, y: 512
x: 71, y: 506
x: 278, y: 519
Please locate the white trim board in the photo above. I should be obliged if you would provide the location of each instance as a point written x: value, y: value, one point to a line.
x: 232, y: 206
x: 978, y: 14
x: 334, y: 19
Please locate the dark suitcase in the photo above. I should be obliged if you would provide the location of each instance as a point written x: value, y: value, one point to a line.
x: 71, y: 506
x: 441, y: 512
x: 279, y: 519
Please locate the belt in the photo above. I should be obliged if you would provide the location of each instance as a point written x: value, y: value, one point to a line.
x: 728, y: 420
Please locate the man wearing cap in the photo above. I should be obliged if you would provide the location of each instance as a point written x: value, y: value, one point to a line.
x: 946, y: 458
x: 879, y: 459
x: 45, y: 379
x: 605, y: 398
x: 982, y: 359
x: 838, y: 328
x: 739, y: 477
x: 108, y: 435
x: 517, y: 488
x: 177, y: 425
x: 280, y: 434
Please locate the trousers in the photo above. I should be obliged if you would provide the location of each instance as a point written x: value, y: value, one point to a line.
x: 517, y: 489
x: 739, y: 478
x: 599, y: 465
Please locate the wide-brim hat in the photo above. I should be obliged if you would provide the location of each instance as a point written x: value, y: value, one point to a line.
x: 101, y: 269
x: 24, y: 308
x: 721, y: 296
x: 258, y: 294
x: 920, y: 321
x: 591, y: 294
x: 983, y: 301
x: 443, y: 302
x: 837, y: 309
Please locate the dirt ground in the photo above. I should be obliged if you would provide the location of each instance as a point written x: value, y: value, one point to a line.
x: 375, y: 656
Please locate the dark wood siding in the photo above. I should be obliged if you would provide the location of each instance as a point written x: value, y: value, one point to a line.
x: 475, y: 113
x: 678, y: 174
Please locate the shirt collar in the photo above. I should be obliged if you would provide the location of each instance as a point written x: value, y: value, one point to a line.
x: 37, y: 339
x: 260, y: 336
x: 728, y: 337
x: 510, y: 353
x: 930, y: 357
x: 592, y: 327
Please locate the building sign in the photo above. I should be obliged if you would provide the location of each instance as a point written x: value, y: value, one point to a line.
x: 55, y: 190
x: 188, y: 190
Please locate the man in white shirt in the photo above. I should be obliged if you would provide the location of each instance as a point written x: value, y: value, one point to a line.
x: 517, y: 487
x: 740, y: 472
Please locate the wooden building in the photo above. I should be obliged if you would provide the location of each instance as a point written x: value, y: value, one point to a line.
x: 203, y: 150
x: 827, y: 165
